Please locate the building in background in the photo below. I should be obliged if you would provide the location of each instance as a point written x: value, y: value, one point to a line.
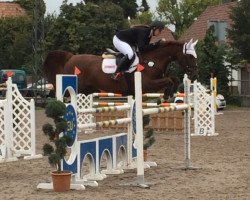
x: 219, y: 16
x: 9, y: 9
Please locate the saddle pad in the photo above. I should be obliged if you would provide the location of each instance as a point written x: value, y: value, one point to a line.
x: 109, y: 66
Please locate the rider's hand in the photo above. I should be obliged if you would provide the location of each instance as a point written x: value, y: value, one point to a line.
x: 158, y: 42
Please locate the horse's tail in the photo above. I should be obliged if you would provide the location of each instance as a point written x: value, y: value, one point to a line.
x: 54, y: 64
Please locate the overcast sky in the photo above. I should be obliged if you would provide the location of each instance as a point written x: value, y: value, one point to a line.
x: 53, y: 6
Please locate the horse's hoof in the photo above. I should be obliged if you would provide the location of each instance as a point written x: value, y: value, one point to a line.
x: 159, y: 101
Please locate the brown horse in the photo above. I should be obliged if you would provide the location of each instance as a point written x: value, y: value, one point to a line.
x: 93, y: 79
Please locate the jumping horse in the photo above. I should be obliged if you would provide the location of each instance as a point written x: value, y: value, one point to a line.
x: 92, y: 79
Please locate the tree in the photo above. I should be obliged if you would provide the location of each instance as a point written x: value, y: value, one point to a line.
x: 182, y: 14
x: 144, y: 3
x: 240, y: 30
x: 16, y: 48
x: 28, y: 5
x: 211, y: 60
x: 57, y: 148
x: 144, y: 18
x: 85, y: 28
x: 128, y: 6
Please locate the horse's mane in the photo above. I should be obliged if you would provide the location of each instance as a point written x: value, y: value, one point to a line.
x: 168, y: 43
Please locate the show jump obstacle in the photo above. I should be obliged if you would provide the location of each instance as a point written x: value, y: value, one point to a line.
x: 203, y: 100
x: 111, y: 146
x: 17, y: 125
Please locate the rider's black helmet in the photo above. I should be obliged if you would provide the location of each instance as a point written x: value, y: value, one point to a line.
x: 157, y: 25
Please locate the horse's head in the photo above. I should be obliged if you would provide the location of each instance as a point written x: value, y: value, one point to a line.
x: 187, y: 59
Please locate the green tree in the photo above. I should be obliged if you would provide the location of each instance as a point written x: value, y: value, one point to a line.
x: 211, y: 61
x: 29, y: 5
x: 85, y: 28
x: 240, y: 30
x: 128, y: 6
x: 182, y: 14
x: 144, y: 3
x: 144, y: 18
x: 16, y: 48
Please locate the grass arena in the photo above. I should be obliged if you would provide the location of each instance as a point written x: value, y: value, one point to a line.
x: 223, y: 163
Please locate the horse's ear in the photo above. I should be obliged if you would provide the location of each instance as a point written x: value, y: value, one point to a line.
x: 195, y: 43
x: 189, y: 44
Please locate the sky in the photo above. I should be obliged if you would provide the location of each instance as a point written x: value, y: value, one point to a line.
x: 53, y: 6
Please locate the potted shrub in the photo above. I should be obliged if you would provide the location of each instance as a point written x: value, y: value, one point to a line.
x: 148, y: 136
x: 56, y: 149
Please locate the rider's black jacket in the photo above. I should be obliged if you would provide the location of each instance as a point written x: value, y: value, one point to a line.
x: 137, y: 37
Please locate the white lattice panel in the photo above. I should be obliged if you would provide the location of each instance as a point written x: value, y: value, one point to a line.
x: 2, y: 126
x: 203, y: 111
x: 84, y: 102
x: 17, y: 125
x: 21, y: 122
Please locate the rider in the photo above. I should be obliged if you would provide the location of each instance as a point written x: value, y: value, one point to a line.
x: 137, y: 37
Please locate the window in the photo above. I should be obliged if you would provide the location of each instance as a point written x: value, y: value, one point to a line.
x: 220, y: 30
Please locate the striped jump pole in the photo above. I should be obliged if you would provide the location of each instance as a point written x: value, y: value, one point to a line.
x: 182, y: 94
x: 153, y: 95
x: 149, y: 111
x: 144, y: 104
x: 106, y: 123
x: 105, y: 94
x: 104, y: 109
x: 103, y: 104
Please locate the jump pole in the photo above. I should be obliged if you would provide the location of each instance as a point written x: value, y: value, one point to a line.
x: 187, y: 127
x: 139, y: 130
x: 187, y: 113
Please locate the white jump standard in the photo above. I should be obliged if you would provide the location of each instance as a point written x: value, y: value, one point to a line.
x: 17, y: 125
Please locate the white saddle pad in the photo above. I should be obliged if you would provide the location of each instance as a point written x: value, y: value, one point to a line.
x: 109, y: 65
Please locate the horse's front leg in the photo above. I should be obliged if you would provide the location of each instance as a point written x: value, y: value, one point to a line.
x: 171, y: 89
x: 170, y: 83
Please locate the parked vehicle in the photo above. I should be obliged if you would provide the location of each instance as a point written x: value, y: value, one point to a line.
x: 220, y: 101
x: 18, y: 76
x: 41, y: 88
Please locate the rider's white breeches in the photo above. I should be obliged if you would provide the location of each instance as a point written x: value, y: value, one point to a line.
x: 123, y: 47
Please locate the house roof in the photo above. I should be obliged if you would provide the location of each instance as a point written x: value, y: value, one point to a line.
x: 166, y: 33
x: 9, y: 9
x: 213, y: 13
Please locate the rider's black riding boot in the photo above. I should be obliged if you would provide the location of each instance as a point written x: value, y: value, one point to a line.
x: 124, y: 64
